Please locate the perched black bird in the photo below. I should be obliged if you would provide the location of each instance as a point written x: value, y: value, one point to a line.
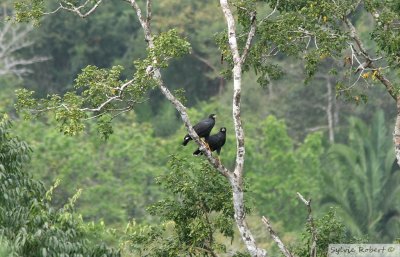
x: 215, y: 142
x: 203, y: 128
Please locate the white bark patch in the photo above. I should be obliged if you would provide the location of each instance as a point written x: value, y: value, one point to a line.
x: 240, y: 215
x: 396, y: 133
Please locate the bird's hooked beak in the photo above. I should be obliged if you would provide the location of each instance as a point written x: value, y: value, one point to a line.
x: 214, y: 116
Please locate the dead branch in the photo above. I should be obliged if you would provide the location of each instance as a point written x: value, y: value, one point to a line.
x: 12, y: 40
x: 77, y: 9
x: 270, y: 14
x: 276, y: 238
x: 313, y: 247
x: 384, y: 80
x: 250, y: 37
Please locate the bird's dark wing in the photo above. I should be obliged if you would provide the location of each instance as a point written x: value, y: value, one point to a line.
x: 204, y: 127
x: 216, y: 141
x: 212, y: 141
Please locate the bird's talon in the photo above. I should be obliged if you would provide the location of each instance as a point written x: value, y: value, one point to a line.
x: 208, y: 147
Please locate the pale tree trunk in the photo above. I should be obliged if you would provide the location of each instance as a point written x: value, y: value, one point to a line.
x: 236, y: 179
x: 336, y: 109
x: 329, y: 111
x: 396, y: 132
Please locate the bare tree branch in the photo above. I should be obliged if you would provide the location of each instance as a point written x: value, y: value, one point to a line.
x: 276, y: 238
x: 12, y: 40
x: 205, y: 61
x: 329, y: 110
x: 77, y: 9
x: 384, y: 80
x: 55, y: 11
x: 270, y: 14
x: 316, y: 128
x: 313, y: 247
x: 250, y: 37
x: 12, y: 65
x: 144, y: 22
x: 148, y: 11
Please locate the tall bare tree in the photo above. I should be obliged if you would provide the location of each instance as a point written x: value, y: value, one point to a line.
x: 14, y: 39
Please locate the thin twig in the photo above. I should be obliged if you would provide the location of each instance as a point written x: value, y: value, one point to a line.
x: 383, y: 79
x: 270, y: 14
x: 76, y: 9
x: 250, y: 37
x: 55, y: 11
x: 110, y: 99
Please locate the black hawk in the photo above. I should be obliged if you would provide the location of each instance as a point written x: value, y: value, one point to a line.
x: 203, y: 128
x: 215, y: 142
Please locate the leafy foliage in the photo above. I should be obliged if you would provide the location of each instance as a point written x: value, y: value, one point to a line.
x: 386, y: 33
x: 29, y: 226
x: 306, y: 29
x: 329, y: 230
x: 117, y: 175
x: 198, y: 207
x: 100, y: 91
x: 363, y: 180
x: 277, y: 170
x: 28, y: 10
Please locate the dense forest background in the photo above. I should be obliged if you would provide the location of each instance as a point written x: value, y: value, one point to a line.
x: 302, y: 136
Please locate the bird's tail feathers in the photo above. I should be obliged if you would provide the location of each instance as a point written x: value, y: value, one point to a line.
x: 197, y: 152
x: 186, y: 140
